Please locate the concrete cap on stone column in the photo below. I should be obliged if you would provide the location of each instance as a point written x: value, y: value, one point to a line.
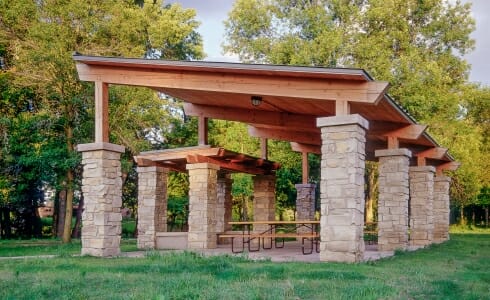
x: 100, y: 146
x: 305, y: 185
x: 151, y: 169
x: 431, y: 169
x: 342, y: 120
x: 442, y: 178
x: 393, y: 152
x: 202, y: 166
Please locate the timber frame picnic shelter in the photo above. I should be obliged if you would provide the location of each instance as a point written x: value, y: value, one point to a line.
x: 341, y: 114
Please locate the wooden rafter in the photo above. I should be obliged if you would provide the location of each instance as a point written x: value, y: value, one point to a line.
x: 228, y: 165
x: 409, y: 132
x: 176, y: 159
x: 449, y: 166
x: 432, y: 153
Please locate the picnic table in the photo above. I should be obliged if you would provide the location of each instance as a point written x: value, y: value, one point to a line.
x: 276, y: 231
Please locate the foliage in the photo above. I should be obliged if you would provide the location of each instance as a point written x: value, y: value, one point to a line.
x: 417, y: 46
x: 37, y: 39
x: 457, y: 269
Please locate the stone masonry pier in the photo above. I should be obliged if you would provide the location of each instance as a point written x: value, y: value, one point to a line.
x: 393, y: 199
x: 421, y: 203
x: 102, y: 192
x: 342, y: 188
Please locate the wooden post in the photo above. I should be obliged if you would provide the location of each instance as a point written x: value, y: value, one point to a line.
x: 263, y: 148
x: 305, y: 170
x: 342, y: 108
x: 202, y: 129
x: 101, y: 112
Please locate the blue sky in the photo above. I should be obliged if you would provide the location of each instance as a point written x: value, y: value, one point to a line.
x: 212, y: 13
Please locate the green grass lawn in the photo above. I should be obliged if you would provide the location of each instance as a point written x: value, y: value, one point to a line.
x: 9, y: 248
x: 458, y: 269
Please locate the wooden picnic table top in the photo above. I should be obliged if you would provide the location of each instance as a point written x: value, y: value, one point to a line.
x: 273, y: 222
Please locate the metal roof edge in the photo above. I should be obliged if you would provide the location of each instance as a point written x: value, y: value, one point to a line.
x: 225, y: 65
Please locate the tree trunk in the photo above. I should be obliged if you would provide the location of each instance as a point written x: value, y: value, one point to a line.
x: 7, y: 229
x: 372, y: 188
x: 69, y: 207
x: 462, y: 220
x: 61, y: 213
x: 76, y: 229
x: 486, y: 216
x: 69, y: 184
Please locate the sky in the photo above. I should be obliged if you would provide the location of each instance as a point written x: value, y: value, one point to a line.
x: 212, y: 13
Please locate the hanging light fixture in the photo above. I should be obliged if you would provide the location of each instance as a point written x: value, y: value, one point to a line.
x: 256, y: 100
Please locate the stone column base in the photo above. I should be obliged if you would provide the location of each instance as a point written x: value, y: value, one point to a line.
x: 421, y: 202
x: 102, y: 192
x: 202, y: 205
x: 152, y: 205
x: 441, y: 208
x: 393, y: 199
x: 342, y: 188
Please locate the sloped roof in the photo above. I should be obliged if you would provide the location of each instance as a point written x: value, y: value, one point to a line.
x: 292, y: 98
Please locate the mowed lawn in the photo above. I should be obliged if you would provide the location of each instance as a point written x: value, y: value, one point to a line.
x: 458, y: 269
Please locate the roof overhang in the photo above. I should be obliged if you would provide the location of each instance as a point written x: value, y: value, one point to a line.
x: 292, y: 98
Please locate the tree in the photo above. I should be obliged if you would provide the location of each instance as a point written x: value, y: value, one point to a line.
x: 40, y: 37
x: 417, y: 46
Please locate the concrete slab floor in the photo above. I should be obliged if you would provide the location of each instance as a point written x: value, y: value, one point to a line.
x: 290, y: 253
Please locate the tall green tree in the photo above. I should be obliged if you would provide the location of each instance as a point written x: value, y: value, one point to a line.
x: 40, y: 37
x: 418, y: 46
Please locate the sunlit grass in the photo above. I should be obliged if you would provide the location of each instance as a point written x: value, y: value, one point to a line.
x: 457, y: 269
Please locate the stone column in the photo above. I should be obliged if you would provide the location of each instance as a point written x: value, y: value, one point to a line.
x: 102, y: 194
x: 264, y: 200
x: 152, y: 205
x: 421, y: 203
x: 393, y: 199
x: 305, y: 203
x: 441, y: 208
x: 342, y: 188
x: 202, y: 205
x: 224, y: 204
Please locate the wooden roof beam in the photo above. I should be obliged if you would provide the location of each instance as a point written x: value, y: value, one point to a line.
x: 295, y: 87
x: 449, y: 166
x: 250, y: 116
x: 180, y: 153
x: 227, y: 165
x: 285, y: 135
x: 409, y: 132
x: 298, y: 147
x: 432, y: 153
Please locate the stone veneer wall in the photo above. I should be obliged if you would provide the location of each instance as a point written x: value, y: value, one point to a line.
x: 202, y: 205
x: 305, y: 204
x: 393, y: 199
x: 441, y: 208
x: 102, y: 192
x: 224, y: 204
x: 152, y: 205
x: 264, y: 203
x: 342, y: 188
x: 421, y: 203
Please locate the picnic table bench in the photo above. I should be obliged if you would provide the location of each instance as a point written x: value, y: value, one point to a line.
x: 278, y: 230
